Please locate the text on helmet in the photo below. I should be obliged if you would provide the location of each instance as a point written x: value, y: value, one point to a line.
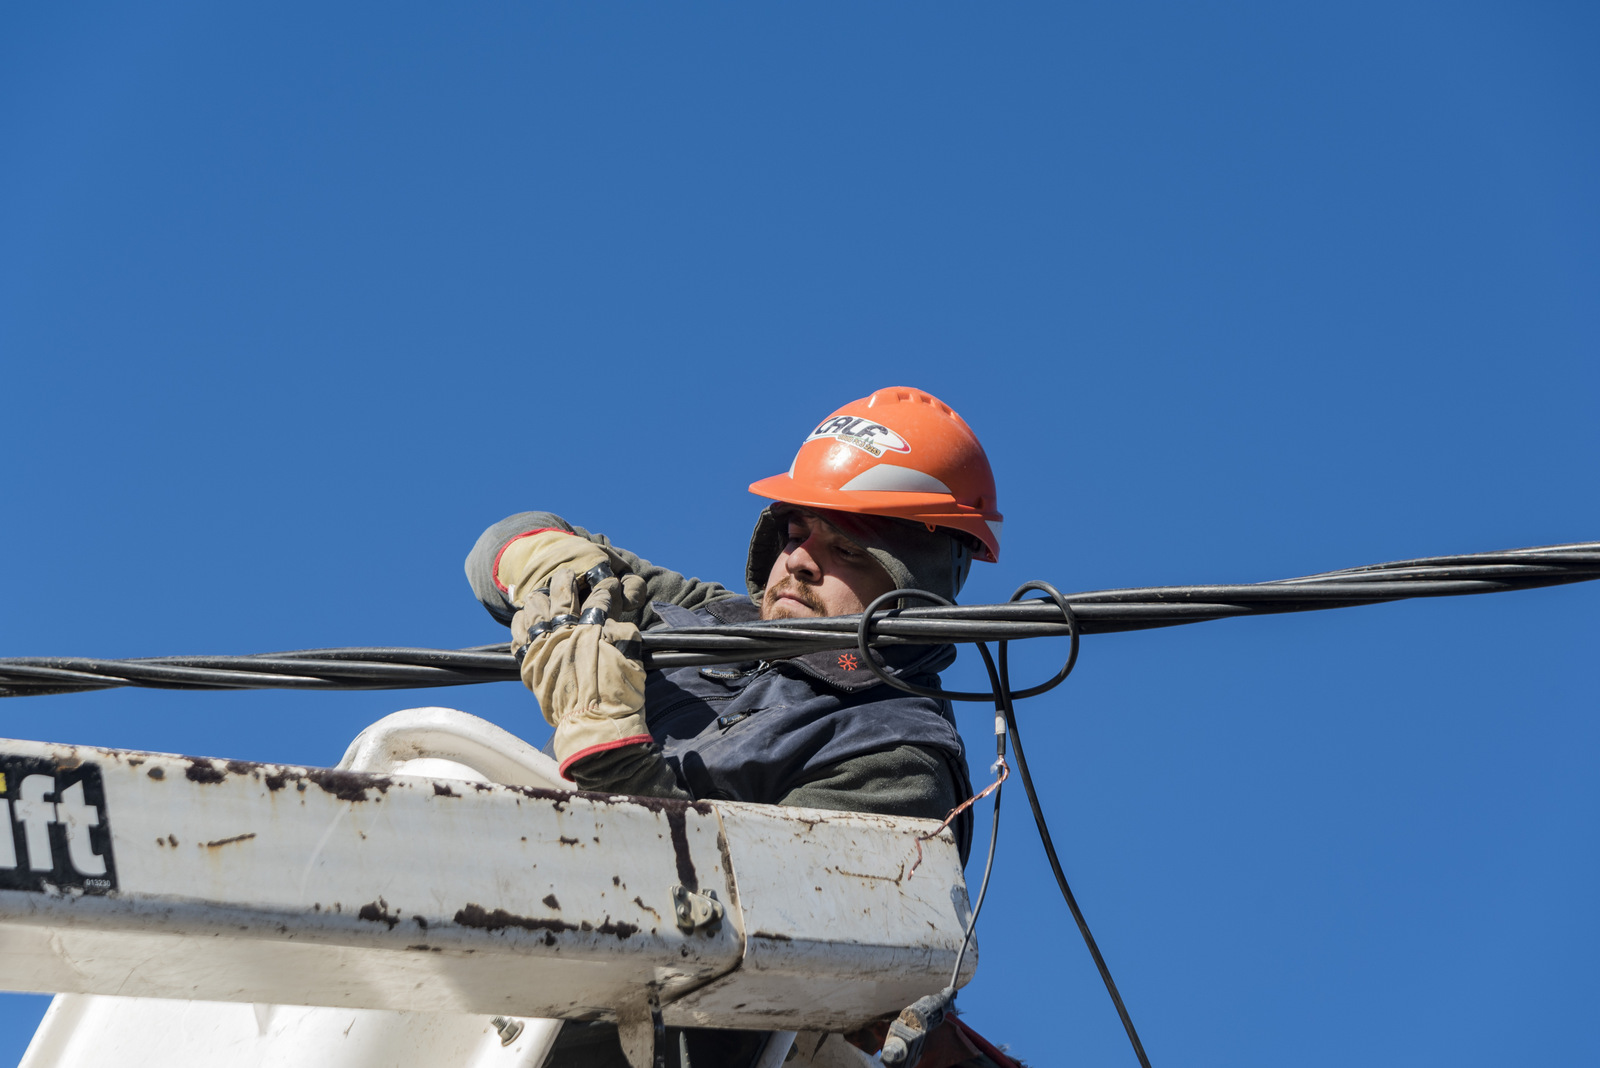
x: 872, y: 438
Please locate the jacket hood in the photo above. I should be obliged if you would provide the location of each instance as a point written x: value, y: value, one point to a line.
x: 915, y: 557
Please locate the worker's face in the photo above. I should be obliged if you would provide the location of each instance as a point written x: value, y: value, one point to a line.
x: 820, y: 572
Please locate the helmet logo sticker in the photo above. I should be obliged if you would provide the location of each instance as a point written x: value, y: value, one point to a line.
x: 871, y: 438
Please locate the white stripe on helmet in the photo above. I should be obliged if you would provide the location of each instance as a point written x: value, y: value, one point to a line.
x: 892, y: 478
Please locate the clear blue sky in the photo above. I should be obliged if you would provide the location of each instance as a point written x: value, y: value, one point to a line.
x: 296, y: 299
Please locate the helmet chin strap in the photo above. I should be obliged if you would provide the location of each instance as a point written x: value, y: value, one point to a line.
x: 960, y: 565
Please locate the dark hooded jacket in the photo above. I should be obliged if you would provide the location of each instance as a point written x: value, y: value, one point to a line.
x: 816, y: 731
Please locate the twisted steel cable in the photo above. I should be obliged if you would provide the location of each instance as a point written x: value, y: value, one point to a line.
x: 1098, y: 612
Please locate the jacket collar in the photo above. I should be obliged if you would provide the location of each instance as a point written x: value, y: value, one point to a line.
x: 843, y: 670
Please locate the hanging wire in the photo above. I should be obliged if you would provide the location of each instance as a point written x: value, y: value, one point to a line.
x: 1007, y: 696
x: 995, y: 694
x: 1004, y: 699
x: 994, y: 832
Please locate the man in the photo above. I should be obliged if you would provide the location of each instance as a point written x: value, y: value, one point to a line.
x: 892, y: 491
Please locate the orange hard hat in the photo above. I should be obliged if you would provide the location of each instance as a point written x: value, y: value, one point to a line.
x: 901, y: 453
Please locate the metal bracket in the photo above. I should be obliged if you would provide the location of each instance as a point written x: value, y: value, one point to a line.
x: 695, y: 911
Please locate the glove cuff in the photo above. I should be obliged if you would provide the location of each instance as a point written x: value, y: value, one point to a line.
x: 527, y: 561
x: 599, y: 747
x: 494, y: 569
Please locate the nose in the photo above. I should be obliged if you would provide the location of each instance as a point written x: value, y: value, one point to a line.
x: 801, y: 564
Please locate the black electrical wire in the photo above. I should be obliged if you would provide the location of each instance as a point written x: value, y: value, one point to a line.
x: 863, y: 636
x: 1098, y: 612
x: 1007, y: 696
x: 947, y: 995
x: 1004, y: 698
x: 994, y: 827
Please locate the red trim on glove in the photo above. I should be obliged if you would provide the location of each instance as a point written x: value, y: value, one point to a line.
x: 495, y: 571
x: 635, y: 739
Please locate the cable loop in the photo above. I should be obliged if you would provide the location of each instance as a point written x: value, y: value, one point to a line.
x: 864, y: 638
x: 1074, y: 632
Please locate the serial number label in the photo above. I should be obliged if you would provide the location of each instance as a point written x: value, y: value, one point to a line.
x: 54, y: 834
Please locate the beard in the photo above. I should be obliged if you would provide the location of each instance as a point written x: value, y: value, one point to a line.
x: 772, y: 608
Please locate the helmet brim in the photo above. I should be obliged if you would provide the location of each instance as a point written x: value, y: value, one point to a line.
x: 936, y: 509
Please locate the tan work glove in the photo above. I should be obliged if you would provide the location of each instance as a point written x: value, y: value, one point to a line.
x: 584, y: 667
x: 528, y: 562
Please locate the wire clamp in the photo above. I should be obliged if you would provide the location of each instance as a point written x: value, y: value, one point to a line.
x: 911, y: 1028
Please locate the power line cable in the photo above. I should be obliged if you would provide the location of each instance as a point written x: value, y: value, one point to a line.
x: 1097, y: 612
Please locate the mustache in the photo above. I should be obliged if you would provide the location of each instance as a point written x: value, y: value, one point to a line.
x: 791, y: 587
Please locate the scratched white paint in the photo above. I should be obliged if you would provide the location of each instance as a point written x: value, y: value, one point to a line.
x: 289, y: 886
